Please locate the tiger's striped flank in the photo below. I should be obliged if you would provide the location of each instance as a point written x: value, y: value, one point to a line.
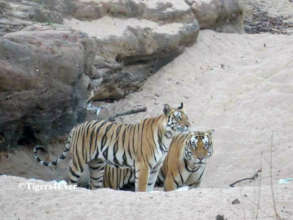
x: 184, y: 165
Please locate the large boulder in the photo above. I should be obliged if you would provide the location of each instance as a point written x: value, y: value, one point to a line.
x: 219, y: 15
x: 134, y: 39
x: 155, y: 10
x: 41, y: 88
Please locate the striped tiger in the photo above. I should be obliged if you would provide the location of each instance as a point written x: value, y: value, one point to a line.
x: 184, y: 165
x: 141, y: 146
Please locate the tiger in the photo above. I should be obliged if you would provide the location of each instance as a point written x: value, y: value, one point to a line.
x: 184, y: 164
x: 142, y: 147
x: 186, y: 161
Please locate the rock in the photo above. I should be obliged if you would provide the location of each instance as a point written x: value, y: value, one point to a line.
x: 235, y: 202
x: 107, y: 47
x: 220, y: 217
x: 41, y: 91
x: 114, y: 47
x: 4, y: 7
x: 64, y: 7
x: 17, y: 15
x: 33, y: 11
x: 9, y: 23
x: 136, y: 40
x: 154, y: 10
x: 223, y: 16
x: 258, y: 21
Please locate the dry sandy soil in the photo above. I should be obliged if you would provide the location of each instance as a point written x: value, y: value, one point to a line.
x: 238, y: 84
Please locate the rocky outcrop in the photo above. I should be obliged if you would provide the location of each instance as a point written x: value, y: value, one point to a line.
x: 86, y: 50
x: 41, y: 88
x: 220, y: 15
x: 154, y: 10
x: 125, y: 61
x: 105, y: 49
x: 134, y: 39
x: 15, y: 15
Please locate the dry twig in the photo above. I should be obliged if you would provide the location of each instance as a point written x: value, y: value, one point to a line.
x: 132, y: 111
x: 271, y: 178
x: 247, y: 178
x: 260, y: 187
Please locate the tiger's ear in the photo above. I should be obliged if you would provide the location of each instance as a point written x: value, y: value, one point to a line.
x: 180, y: 106
x: 166, y: 109
x: 211, y: 131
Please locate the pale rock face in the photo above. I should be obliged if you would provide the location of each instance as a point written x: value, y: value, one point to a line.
x: 222, y: 16
x: 134, y: 39
x: 84, y: 49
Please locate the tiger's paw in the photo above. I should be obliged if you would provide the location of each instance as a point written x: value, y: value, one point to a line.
x: 183, y: 188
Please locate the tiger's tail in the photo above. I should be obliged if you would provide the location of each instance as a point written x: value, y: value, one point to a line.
x: 54, y: 162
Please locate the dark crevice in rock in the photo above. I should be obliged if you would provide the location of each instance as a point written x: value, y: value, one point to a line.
x: 136, y: 69
x: 27, y: 137
x: 41, y: 96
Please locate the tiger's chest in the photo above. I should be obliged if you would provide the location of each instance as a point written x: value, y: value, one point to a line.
x: 192, y: 166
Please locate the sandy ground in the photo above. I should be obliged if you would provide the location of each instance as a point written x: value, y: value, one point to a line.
x: 29, y: 200
x: 239, y: 85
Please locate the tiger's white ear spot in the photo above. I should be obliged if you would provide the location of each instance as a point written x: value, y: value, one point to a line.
x: 193, y: 140
x: 205, y: 139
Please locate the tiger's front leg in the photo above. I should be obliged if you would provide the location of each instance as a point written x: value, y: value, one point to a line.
x: 142, y: 174
x: 169, y: 183
x: 152, y: 179
x: 194, y: 179
x: 96, y: 168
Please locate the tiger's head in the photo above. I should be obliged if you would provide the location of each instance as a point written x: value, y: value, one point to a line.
x: 177, y: 120
x: 199, y: 146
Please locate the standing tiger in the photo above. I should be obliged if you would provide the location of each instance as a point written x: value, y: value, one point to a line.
x: 142, y: 147
x: 184, y: 165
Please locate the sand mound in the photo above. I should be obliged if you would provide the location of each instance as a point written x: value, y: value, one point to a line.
x: 42, y: 200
